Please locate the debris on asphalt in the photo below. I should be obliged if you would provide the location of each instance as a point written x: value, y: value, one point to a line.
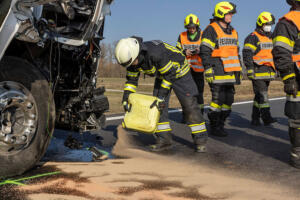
x: 73, y: 143
x: 98, y: 155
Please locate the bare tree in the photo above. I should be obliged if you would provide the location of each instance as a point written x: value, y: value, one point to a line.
x: 108, y: 65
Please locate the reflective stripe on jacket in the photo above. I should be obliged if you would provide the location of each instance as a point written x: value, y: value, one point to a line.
x: 264, y: 56
x: 195, y: 61
x: 293, y: 16
x: 227, y: 49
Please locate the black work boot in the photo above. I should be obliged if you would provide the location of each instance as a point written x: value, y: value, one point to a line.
x: 200, y: 141
x: 214, y: 123
x: 255, y: 116
x: 163, y: 142
x: 266, y: 116
x: 295, y: 151
x: 223, y: 117
x: 295, y: 157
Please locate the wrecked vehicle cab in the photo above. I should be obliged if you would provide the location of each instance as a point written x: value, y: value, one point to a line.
x: 49, y: 59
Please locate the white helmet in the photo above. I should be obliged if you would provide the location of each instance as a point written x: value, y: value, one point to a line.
x: 126, y: 51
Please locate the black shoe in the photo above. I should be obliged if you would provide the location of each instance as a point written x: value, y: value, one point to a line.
x: 160, y: 147
x: 295, y: 159
x: 255, y: 122
x: 266, y: 116
x: 269, y: 121
x: 220, y: 132
x: 200, y: 148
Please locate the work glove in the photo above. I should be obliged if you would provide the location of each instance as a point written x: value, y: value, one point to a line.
x: 126, y: 106
x: 159, y: 103
x: 250, y: 74
x: 208, y: 74
x: 290, y: 87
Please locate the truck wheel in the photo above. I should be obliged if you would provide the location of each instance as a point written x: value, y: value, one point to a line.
x: 27, y: 115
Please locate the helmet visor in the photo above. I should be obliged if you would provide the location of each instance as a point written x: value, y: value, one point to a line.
x: 191, y: 26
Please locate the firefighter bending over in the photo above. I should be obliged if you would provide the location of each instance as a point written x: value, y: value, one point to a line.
x: 172, y: 71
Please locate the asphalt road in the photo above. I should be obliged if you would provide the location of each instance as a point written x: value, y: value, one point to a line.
x: 259, y: 152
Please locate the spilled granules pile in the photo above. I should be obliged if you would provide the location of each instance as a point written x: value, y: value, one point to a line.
x: 128, y: 147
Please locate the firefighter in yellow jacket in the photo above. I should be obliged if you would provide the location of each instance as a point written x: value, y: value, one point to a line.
x: 258, y: 59
x: 189, y: 42
x: 220, y: 58
x: 286, y: 55
x: 168, y: 64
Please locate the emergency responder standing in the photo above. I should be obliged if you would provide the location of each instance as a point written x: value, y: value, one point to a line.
x: 189, y: 43
x: 220, y: 58
x: 286, y: 55
x: 171, y: 69
x: 258, y: 58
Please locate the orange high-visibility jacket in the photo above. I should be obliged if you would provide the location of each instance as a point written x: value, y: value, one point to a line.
x: 264, y: 56
x: 294, y: 16
x: 227, y: 50
x: 194, y: 60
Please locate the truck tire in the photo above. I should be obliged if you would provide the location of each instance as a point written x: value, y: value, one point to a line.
x: 27, y: 120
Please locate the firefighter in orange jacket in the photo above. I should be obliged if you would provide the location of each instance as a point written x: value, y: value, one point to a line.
x: 189, y: 42
x: 286, y: 55
x: 258, y: 59
x: 220, y: 58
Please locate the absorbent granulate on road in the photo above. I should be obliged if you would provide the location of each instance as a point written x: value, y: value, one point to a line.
x: 127, y: 146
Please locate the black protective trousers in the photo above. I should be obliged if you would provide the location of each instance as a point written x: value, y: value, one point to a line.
x: 292, y: 111
x: 260, y: 89
x: 222, y: 94
x: 261, y: 106
x: 186, y: 91
x: 199, y: 80
x: 220, y: 106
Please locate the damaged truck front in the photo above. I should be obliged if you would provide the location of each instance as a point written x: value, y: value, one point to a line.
x: 49, y: 59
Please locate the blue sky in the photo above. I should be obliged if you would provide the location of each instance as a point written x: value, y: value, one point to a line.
x: 163, y: 19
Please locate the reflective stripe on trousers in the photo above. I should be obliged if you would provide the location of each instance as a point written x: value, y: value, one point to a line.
x: 265, y: 75
x: 292, y: 98
x: 198, y: 128
x: 163, y: 127
x: 224, y: 79
x: 130, y: 87
x: 264, y: 105
x: 215, y: 107
x: 225, y: 107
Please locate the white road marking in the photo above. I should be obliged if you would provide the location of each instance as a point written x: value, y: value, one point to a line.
x: 112, y: 90
x: 179, y: 110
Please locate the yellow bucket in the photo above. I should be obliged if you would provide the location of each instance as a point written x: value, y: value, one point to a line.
x: 143, y: 115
